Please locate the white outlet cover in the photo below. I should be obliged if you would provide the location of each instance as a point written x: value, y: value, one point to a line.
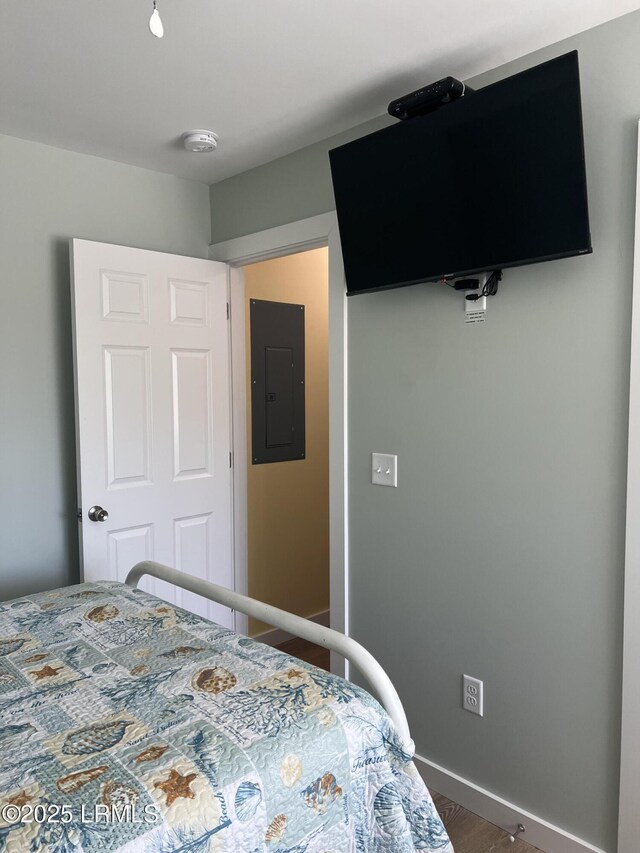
x: 473, y: 305
x: 475, y: 310
x: 473, y: 695
x: 384, y: 469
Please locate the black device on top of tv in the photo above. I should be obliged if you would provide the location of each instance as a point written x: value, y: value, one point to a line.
x: 427, y: 99
x: 493, y: 180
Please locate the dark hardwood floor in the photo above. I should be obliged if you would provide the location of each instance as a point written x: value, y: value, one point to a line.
x: 307, y: 652
x: 471, y: 834
x: 468, y: 832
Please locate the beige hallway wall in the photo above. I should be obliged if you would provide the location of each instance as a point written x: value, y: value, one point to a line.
x: 288, y: 502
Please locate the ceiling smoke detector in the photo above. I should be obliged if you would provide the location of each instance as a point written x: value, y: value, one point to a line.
x: 200, y: 141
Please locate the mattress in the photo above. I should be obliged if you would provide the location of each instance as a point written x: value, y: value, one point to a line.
x: 129, y: 725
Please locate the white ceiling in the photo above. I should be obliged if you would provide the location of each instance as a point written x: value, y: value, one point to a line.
x: 269, y: 76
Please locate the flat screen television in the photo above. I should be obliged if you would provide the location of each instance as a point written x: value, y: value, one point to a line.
x: 495, y: 179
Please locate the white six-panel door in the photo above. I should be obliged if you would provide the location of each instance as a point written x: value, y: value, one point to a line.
x: 151, y: 352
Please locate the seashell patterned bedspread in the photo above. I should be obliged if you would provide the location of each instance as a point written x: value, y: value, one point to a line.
x: 129, y: 725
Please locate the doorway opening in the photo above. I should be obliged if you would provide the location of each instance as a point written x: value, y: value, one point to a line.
x: 288, y: 501
x: 239, y: 252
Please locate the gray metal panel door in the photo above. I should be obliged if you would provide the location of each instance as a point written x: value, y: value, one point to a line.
x: 277, y: 381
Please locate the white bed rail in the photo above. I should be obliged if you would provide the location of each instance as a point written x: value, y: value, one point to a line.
x: 297, y: 625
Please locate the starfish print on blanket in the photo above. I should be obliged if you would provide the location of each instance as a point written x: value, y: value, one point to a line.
x: 176, y: 786
x: 46, y: 672
x: 294, y: 673
x: 20, y: 799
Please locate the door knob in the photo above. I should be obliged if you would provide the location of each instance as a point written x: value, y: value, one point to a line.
x: 96, y: 513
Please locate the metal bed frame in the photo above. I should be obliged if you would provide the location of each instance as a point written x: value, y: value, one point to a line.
x: 297, y: 625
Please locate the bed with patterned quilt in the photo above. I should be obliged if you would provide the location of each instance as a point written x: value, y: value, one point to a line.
x: 130, y: 725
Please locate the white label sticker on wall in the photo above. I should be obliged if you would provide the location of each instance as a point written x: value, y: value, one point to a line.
x: 474, y: 316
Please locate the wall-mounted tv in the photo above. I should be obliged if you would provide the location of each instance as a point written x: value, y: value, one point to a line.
x: 495, y: 179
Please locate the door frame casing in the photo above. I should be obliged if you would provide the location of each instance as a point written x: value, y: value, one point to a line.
x: 629, y: 814
x: 311, y: 233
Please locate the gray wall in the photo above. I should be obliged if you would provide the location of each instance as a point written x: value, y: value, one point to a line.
x: 501, y: 553
x: 47, y: 196
x: 284, y: 190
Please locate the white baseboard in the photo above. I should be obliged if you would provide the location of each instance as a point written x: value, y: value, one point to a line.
x: 540, y: 833
x: 276, y: 636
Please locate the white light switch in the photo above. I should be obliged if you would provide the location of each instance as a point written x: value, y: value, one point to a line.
x: 384, y: 469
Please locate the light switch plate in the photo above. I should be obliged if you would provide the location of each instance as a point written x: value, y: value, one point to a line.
x: 384, y: 469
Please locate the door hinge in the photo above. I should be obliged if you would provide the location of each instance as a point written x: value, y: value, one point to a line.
x: 79, y: 514
x: 228, y: 311
x: 230, y: 460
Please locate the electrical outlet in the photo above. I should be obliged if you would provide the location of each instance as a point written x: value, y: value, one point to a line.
x: 475, y: 310
x: 473, y: 695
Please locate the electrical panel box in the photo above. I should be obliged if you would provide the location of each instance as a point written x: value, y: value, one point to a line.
x: 277, y: 381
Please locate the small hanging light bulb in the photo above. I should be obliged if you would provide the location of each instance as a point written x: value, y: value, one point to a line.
x: 155, y: 22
